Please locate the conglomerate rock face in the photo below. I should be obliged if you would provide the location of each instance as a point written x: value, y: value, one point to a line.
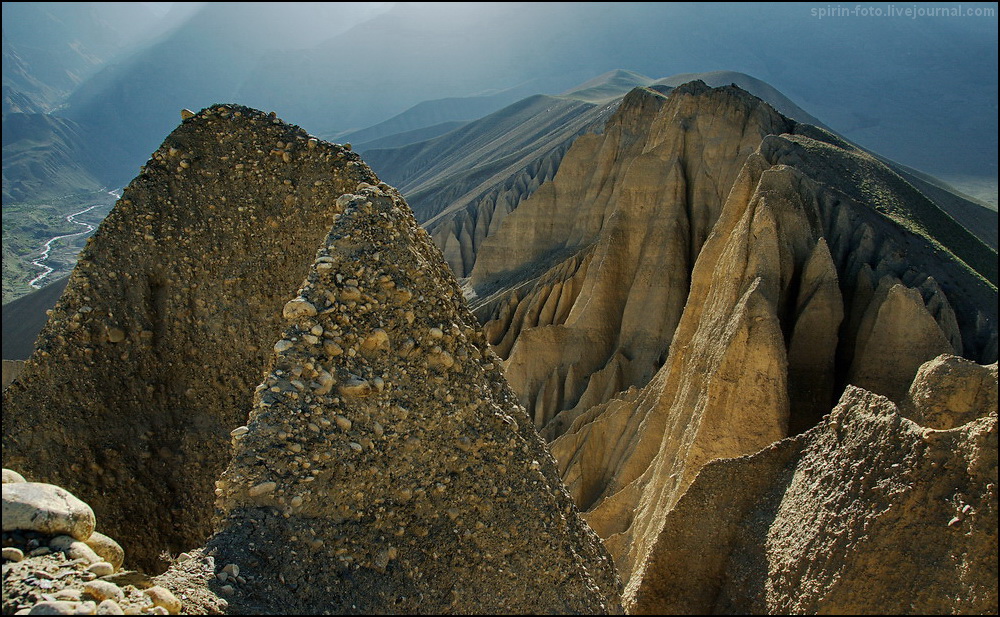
x: 151, y: 356
x: 386, y: 466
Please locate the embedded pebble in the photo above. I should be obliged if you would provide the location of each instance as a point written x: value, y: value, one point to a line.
x: 299, y: 307
x: 163, y: 597
x: 68, y: 594
x: 101, y: 568
x: 262, y: 489
x: 376, y: 340
x: 355, y: 386
x: 103, y: 590
x: 107, y: 549
x: 350, y: 294
x: 325, y: 381
x: 11, y: 553
x: 109, y: 607
x: 74, y: 549
x: 63, y: 607
x: 115, y: 335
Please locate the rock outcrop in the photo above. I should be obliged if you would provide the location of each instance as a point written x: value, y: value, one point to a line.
x: 46, y: 508
x: 949, y: 392
x: 704, y: 279
x: 152, y: 353
x: 386, y: 466
x: 867, y: 512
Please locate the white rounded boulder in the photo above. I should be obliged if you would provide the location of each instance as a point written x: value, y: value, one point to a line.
x: 46, y: 508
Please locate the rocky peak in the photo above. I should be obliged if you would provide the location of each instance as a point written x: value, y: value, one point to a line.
x: 615, y: 233
x: 151, y: 355
x: 386, y: 452
x: 385, y: 465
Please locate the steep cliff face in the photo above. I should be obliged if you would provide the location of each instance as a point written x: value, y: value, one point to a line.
x: 612, y: 241
x: 387, y: 453
x: 868, y: 512
x: 151, y: 355
x: 703, y: 280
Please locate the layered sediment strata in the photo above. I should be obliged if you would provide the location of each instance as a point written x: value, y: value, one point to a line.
x: 704, y: 279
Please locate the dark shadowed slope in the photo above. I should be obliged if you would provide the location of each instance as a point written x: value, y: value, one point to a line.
x: 24, y: 318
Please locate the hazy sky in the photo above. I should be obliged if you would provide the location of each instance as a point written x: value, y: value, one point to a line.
x: 921, y: 88
x: 159, y: 8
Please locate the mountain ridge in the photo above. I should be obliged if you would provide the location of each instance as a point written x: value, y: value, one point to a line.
x: 866, y: 105
x: 480, y: 212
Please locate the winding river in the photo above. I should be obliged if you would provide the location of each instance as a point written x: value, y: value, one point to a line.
x: 36, y: 283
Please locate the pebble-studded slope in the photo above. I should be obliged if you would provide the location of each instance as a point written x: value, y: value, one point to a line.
x: 152, y: 353
x: 386, y: 466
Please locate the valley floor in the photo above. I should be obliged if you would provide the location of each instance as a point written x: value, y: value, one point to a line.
x: 62, y: 226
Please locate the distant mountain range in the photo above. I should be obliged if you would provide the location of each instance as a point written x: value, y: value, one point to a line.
x: 904, y: 88
x: 466, y: 160
x: 463, y: 182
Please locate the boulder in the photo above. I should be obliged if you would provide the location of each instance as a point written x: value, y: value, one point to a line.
x: 46, y: 508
